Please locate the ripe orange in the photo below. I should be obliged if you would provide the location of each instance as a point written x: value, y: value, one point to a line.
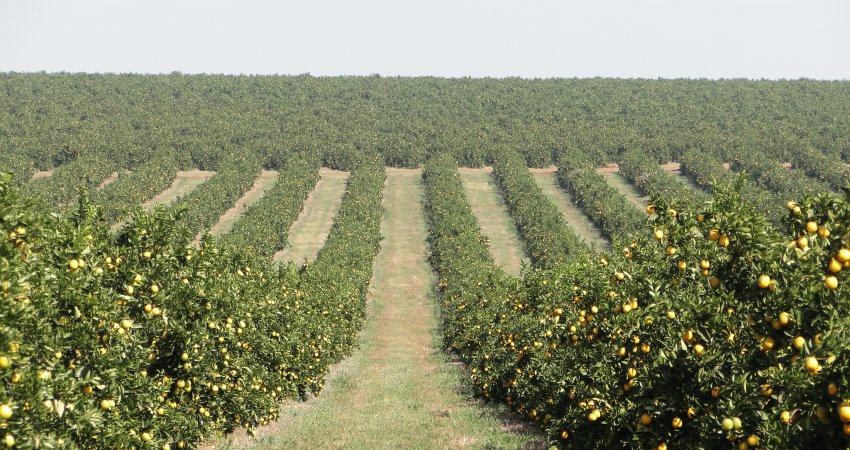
x: 5, y: 411
x: 763, y: 281
x: 844, y: 412
x: 831, y: 282
x: 812, y: 365
x: 699, y: 349
x: 812, y: 226
x: 677, y: 422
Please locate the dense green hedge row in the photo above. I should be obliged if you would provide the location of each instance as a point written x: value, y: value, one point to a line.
x: 61, y: 188
x: 821, y: 166
x: 651, y: 180
x: 460, y: 256
x: 342, y: 270
x: 767, y: 171
x: 547, y: 236
x: 264, y: 228
x: 706, y: 170
x: 134, y: 188
x: 205, y: 205
x: 20, y: 166
x: 137, y: 340
x: 608, y: 209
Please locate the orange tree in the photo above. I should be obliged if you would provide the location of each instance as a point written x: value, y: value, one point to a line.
x: 716, y: 331
x: 142, y: 341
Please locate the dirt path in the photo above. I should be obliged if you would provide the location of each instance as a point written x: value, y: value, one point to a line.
x: 496, y: 223
x: 264, y: 182
x: 547, y: 179
x: 41, y: 174
x: 184, y: 182
x: 674, y: 168
x: 397, y: 391
x: 308, y: 233
x: 611, y: 172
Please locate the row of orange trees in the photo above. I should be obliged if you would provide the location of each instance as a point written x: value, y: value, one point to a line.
x: 140, y: 340
x: 548, y: 238
x: 710, y: 329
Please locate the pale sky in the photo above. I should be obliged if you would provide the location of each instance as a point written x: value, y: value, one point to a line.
x: 454, y: 38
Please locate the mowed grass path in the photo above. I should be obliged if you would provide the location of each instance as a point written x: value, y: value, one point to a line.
x: 308, y: 233
x: 612, y: 175
x: 397, y: 390
x: 494, y: 219
x: 265, y: 181
x: 547, y: 179
x: 675, y: 169
x: 184, y: 182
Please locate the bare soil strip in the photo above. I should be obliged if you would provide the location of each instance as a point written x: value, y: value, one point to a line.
x: 611, y: 172
x: 397, y: 391
x: 41, y: 174
x: 184, y: 182
x: 308, y: 233
x: 547, y: 179
x: 264, y: 182
x: 496, y: 223
x: 674, y: 168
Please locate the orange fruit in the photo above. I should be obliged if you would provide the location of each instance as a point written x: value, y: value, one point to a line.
x: 812, y: 226
x: 844, y: 412
x: 831, y: 282
x: 677, y: 422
